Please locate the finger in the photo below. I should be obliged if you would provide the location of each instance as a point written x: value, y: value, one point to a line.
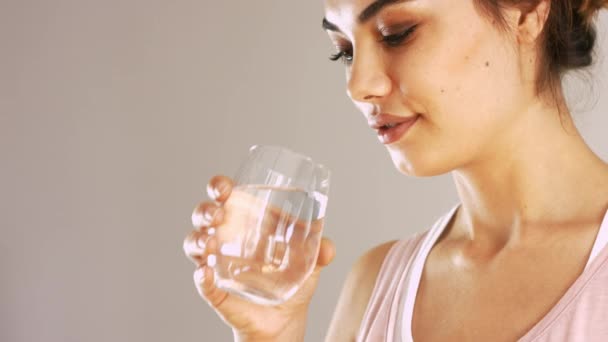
x: 327, y: 252
x: 204, y: 282
x: 219, y: 188
x: 207, y: 214
x: 316, y: 226
x: 245, y: 209
x: 195, y: 247
x: 211, y: 245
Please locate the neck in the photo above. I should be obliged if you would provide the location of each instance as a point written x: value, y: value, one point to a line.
x: 540, y: 172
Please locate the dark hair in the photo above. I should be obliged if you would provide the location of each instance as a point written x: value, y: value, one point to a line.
x: 568, y: 36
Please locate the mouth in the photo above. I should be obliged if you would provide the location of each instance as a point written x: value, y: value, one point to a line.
x: 387, y: 121
x: 388, y: 126
x: 392, y: 132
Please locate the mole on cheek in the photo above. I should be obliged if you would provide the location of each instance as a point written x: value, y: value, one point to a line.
x: 487, y: 64
x: 442, y: 90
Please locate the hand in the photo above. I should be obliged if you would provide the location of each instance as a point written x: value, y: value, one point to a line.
x: 248, y: 320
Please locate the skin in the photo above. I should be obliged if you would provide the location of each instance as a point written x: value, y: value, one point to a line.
x: 529, y: 186
x: 532, y: 192
x: 249, y: 321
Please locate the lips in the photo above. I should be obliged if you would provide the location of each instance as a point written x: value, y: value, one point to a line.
x: 391, y: 128
x: 384, y: 121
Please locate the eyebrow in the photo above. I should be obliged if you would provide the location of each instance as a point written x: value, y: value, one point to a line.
x: 367, y: 13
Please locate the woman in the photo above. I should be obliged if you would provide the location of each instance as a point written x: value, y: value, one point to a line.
x: 474, y: 88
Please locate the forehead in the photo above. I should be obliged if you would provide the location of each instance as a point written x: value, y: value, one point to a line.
x: 344, y: 6
x: 344, y: 11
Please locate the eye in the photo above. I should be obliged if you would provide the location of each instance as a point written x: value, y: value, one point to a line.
x: 345, y: 54
x: 396, y: 39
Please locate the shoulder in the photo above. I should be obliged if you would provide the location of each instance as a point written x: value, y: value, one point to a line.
x: 358, y: 288
x: 373, y: 272
x: 368, y: 265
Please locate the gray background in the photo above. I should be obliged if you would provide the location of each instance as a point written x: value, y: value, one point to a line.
x: 114, y: 115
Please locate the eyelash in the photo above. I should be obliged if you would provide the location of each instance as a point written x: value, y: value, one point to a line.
x: 392, y: 40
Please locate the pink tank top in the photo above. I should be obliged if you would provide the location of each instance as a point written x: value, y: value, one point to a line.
x: 580, y: 315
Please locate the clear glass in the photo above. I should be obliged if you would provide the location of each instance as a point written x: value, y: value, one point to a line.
x: 270, y: 237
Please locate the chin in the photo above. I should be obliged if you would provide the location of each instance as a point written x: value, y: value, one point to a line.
x: 417, y: 167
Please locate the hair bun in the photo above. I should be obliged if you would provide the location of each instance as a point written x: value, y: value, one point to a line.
x: 588, y: 8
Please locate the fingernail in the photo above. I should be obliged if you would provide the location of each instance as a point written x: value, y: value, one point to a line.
x: 213, y: 192
x: 197, y: 219
x: 203, y: 219
x: 201, y: 242
x: 199, y: 274
x: 209, y: 215
x: 223, y: 187
x: 211, y: 260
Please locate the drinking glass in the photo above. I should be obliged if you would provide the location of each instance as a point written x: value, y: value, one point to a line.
x: 269, y: 240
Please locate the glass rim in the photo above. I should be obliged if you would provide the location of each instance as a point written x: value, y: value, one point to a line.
x: 297, y: 154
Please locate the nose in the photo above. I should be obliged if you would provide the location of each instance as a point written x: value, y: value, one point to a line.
x: 368, y: 80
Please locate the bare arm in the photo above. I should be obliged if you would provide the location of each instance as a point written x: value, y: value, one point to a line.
x: 355, y: 294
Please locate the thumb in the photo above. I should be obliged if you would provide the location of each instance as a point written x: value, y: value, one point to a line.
x: 327, y: 252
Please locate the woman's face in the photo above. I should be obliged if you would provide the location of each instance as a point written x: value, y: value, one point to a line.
x: 452, y: 68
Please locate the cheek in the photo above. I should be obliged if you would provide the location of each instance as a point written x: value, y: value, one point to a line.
x: 465, y: 78
x: 458, y: 58
x: 466, y: 89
